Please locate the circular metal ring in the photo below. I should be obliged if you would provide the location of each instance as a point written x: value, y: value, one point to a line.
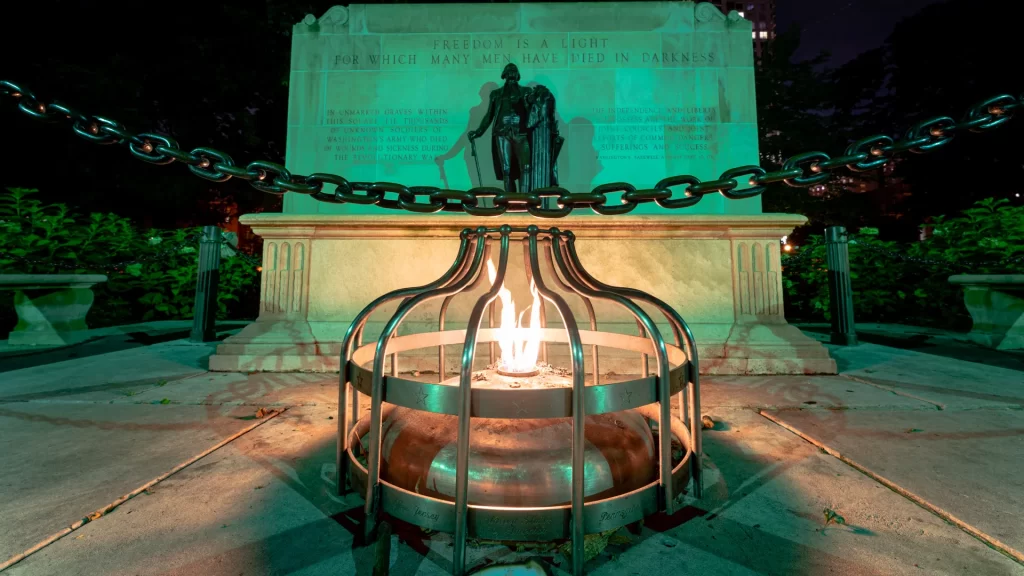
x: 534, y: 524
x: 441, y: 398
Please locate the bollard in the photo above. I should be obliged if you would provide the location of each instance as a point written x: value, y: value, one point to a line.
x: 840, y: 291
x: 204, y: 318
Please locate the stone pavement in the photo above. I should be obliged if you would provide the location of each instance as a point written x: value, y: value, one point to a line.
x: 896, y: 426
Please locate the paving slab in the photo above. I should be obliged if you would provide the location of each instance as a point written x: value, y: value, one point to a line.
x: 833, y: 392
x: 265, y: 504
x: 104, y: 376
x: 967, y: 463
x: 265, y: 389
x: 949, y: 382
x: 62, y: 462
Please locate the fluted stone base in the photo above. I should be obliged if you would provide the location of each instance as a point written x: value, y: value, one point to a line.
x: 722, y: 273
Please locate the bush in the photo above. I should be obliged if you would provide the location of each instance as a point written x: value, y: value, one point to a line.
x: 152, y: 275
x: 897, y: 283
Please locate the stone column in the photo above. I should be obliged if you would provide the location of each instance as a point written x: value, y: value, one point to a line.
x: 281, y: 339
x: 757, y: 280
x: 284, y: 280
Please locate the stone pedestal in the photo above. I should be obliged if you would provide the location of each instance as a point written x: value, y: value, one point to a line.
x: 51, y: 308
x: 721, y: 272
x: 996, y: 304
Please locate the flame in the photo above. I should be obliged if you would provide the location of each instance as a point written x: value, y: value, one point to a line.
x: 519, y: 344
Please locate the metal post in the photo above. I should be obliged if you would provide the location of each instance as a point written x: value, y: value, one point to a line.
x: 204, y: 313
x: 840, y: 291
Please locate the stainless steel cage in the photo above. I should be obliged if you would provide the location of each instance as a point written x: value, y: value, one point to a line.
x: 675, y: 372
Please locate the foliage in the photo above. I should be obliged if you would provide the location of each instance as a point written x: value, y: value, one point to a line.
x: 931, y: 64
x: 792, y: 96
x: 151, y: 275
x: 908, y: 283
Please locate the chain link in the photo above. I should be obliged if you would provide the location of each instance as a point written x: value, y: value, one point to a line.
x: 236, y: 253
x: 788, y: 259
x: 798, y: 171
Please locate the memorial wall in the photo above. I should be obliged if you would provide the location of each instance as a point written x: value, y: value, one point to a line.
x: 644, y: 90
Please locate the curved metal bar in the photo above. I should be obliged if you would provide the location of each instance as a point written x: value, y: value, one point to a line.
x: 660, y: 357
x: 586, y: 302
x: 354, y: 335
x: 684, y: 339
x: 644, y: 368
x: 466, y: 405
x: 442, y: 316
x: 377, y: 383
x: 578, y: 404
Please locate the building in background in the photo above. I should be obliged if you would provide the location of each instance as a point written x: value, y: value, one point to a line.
x: 760, y: 12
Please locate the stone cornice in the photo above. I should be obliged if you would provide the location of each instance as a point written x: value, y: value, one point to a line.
x: 706, y: 226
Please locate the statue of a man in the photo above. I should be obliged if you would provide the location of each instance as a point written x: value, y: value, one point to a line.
x: 506, y: 116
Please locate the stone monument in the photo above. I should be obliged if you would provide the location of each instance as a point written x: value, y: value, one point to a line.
x: 639, y: 91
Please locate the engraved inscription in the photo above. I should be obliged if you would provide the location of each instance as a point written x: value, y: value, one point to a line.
x: 398, y: 506
x: 519, y: 409
x: 621, y: 514
x: 632, y: 105
x: 520, y: 527
x: 626, y: 396
x: 362, y: 380
x: 662, y: 135
x: 422, y: 397
x: 366, y: 136
x: 428, y: 51
x: 426, y: 514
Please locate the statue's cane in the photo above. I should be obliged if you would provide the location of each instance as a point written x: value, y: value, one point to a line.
x: 476, y: 159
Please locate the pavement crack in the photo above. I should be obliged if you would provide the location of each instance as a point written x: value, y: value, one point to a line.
x: 937, y: 405
x: 145, y: 487
x: 986, y: 539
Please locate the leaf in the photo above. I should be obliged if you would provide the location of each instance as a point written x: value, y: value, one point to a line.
x: 165, y: 401
x: 832, y: 516
x: 134, y: 269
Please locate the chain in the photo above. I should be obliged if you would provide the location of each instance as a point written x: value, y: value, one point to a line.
x: 675, y: 192
x: 788, y: 259
x: 236, y: 253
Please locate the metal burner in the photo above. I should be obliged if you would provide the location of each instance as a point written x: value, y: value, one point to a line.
x: 552, y: 457
x: 517, y: 374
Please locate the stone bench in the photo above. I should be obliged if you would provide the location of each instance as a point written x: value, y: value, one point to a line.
x: 51, y: 308
x: 996, y: 304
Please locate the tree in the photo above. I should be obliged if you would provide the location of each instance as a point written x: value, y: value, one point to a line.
x: 794, y: 99
x: 941, y: 61
x: 206, y: 74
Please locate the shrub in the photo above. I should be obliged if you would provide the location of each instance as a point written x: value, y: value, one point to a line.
x: 896, y: 283
x: 151, y: 275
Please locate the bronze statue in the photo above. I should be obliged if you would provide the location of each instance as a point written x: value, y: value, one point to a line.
x: 506, y: 116
x: 545, y: 142
x: 523, y: 131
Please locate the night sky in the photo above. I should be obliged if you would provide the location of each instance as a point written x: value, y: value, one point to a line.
x: 845, y: 28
